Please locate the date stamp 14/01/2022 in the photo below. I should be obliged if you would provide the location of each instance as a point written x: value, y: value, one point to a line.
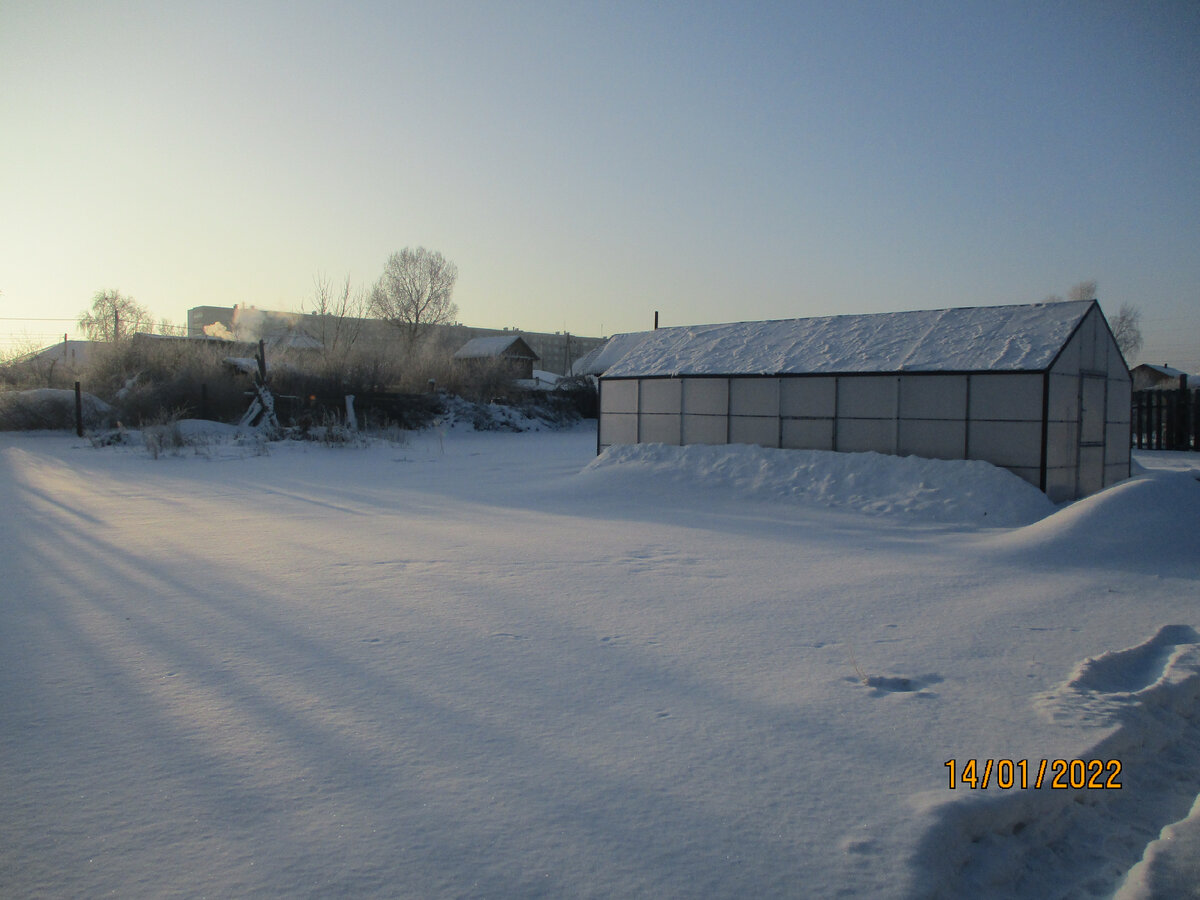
x: 1023, y: 774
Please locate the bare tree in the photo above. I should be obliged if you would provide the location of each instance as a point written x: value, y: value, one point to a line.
x: 1126, y: 325
x: 336, y: 319
x: 1085, y: 290
x: 1127, y: 329
x: 414, y: 292
x: 114, y: 317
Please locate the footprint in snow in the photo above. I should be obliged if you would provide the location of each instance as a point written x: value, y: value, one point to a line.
x: 882, y: 685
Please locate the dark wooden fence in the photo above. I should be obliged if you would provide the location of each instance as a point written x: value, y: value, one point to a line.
x: 1166, y: 420
x: 410, y: 411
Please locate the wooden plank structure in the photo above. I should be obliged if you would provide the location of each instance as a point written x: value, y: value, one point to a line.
x: 1166, y: 420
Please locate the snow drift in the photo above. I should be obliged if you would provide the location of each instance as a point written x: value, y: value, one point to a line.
x: 1149, y: 523
x: 1055, y: 842
x: 961, y: 492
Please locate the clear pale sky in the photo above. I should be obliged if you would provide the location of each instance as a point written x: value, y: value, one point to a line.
x: 587, y: 163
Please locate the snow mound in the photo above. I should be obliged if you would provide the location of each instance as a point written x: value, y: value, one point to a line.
x: 1101, y: 687
x: 1151, y: 522
x: 49, y: 408
x: 184, y: 437
x: 944, y: 491
x: 196, y: 429
x: 1170, y: 867
x: 1087, y: 833
x: 1135, y: 669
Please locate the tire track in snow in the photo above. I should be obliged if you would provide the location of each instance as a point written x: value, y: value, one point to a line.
x: 1082, y: 843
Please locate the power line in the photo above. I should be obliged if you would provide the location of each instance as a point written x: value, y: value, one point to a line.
x: 26, y: 319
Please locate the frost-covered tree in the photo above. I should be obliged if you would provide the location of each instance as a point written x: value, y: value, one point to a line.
x: 1127, y: 329
x: 114, y: 317
x: 1126, y: 324
x: 1085, y: 290
x: 414, y: 292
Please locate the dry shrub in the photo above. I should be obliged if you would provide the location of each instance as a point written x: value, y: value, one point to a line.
x: 51, y: 409
x: 148, y: 378
x: 21, y: 368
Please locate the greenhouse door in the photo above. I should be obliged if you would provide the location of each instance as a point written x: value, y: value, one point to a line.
x: 1093, y: 396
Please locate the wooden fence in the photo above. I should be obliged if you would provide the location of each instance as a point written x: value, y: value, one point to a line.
x: 1166, y: 420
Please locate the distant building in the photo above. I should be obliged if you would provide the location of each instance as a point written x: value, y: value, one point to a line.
x: 509, y: 350
x: 58, y: 364
x: 556, y: 351
x: 200, y: 317
x: 67, y: 355
x: 1149, y: 378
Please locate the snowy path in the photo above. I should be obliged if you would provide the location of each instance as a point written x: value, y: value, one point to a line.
x: 467, y: 670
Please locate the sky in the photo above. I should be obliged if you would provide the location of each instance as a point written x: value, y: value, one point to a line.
x: 587, y: 164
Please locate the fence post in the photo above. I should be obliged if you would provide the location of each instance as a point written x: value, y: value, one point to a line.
x: 78, y: 410
x: 1186, y: 420
x: 1149, y: 405
x: 1156, y: 401
x: 1135, y: 422
x: 1147, y: 422
x: 1196, y: 420
x: 1179, y: 419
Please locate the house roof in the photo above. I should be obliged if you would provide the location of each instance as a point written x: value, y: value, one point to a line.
x: 77, y: 350
x: 1168, y: 371
x: 985, y: 338
x: 502, y: 345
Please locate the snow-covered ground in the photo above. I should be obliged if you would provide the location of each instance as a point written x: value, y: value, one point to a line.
x: 492, y: 665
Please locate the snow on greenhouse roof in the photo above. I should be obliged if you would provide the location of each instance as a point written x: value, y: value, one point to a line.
x: 985, y: 338
x: 608, y: 354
